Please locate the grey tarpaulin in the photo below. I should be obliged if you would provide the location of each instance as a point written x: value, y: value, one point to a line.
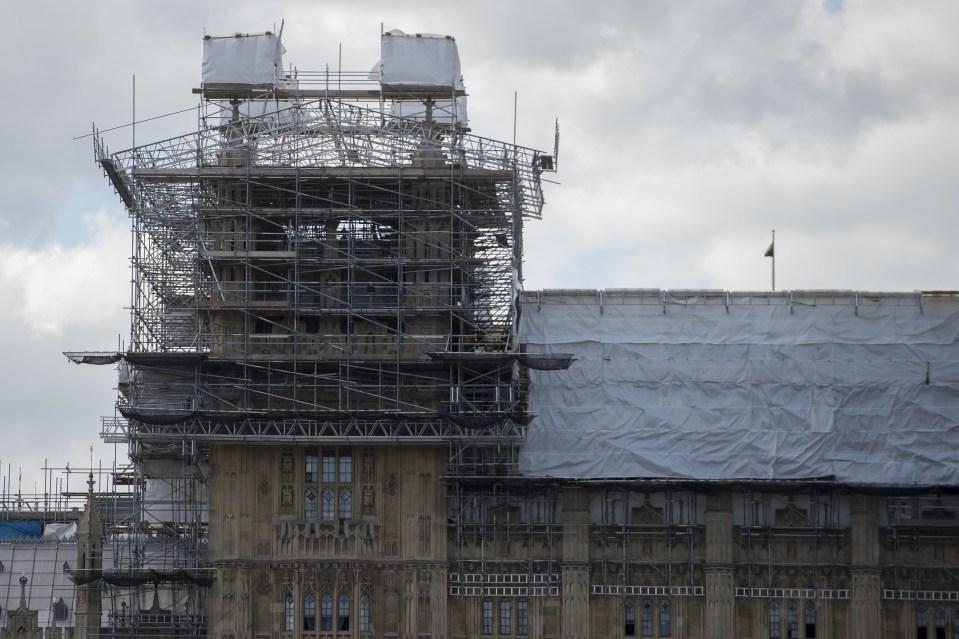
x: 862, y: 388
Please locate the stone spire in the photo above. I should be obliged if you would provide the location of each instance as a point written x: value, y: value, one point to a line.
x: 23, y: 591
x: 23, y: 623
x: 89, y: 566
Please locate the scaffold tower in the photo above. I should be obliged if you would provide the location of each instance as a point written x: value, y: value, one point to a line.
x: 326, y: 260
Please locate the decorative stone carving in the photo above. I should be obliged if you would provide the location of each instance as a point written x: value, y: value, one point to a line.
x: 391, y: 547
x: 791, y: 515
x: 389, y: 580
x: 286, y: 496
x: 287, y: 578
x: 368, y: 498
x: 286, y: 463
x: 264, y: 586
x: 391, y: 484
x: 368, y: 464
x: 425, y: 522
x: 646, y: 514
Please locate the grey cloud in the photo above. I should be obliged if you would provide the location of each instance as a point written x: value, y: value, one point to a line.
x: 688, y: 132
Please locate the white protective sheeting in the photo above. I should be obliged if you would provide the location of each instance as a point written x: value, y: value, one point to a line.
x: 443, y: 111
x: 59, y: 531
x: 268, y: 112
x: 255, y: 59
x: 863, y: 388
x: 420, y: 59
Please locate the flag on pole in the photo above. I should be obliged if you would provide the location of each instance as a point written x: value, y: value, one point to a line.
x: 771, y: 251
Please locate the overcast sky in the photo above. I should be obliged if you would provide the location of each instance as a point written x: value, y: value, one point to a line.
x: 689, y: 130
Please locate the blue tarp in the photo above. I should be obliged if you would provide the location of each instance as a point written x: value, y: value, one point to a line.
x: 20, y: 529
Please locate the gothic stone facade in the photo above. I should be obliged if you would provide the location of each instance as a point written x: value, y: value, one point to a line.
x: 374, y: 541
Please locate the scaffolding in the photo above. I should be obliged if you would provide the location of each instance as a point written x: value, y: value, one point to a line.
x: 332, y: 271
x: 324, y: 259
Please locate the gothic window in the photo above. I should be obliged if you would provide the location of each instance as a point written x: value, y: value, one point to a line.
x: 365, y: 616
x: 288, y: 613
x: 940, y: 623
x: 487, y: 616
x: 343, y: 614
x: 922, y: 622
x: 664, y: 619
x: 955, y: 623
x: 522, y: 618
x: 310, y: 503
x: 329, y: 472
x: 629, y: 617
x: 329, y: 465
x: 329, y: 508
x: 774, y: 621
x: 505, y: 623
x: 309, y: 613
x: 345, y: 503
x: 60, y: 610
x: 326, y: 612
x: 792, y: 621
x: 647, y: 618
x: 810, y: 620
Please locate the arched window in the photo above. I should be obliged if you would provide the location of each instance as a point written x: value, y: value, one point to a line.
x: 343, y: 614
x: 774, y: 621
x: 365, y: 613
x: 522, y: 618
x: 326, y: 612
x: 792, y: 621
x: 288, y: 613
x: 629, y: 617
x: 309, y: 613
x: 647, y: 618
x: 664, y: 619
x: 940, y: 623
x: 810, y: 620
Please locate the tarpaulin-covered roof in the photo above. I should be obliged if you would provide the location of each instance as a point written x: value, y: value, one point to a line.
x: 862, y: 388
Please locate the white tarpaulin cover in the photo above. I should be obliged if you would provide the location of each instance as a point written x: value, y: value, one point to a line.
x: 443, y: 111
x: 243, y: 59
x: 421, y: 59
x: 862, y: 388
x: 268, y: 112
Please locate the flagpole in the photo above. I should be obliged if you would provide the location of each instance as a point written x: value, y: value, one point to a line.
x: 774, y: 259
x: 771, y: 252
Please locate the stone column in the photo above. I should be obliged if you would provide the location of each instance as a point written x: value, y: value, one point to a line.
x: 720, y: 588
x: 865, y: 595
x: 575, y: 596
x: 439, y: 588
